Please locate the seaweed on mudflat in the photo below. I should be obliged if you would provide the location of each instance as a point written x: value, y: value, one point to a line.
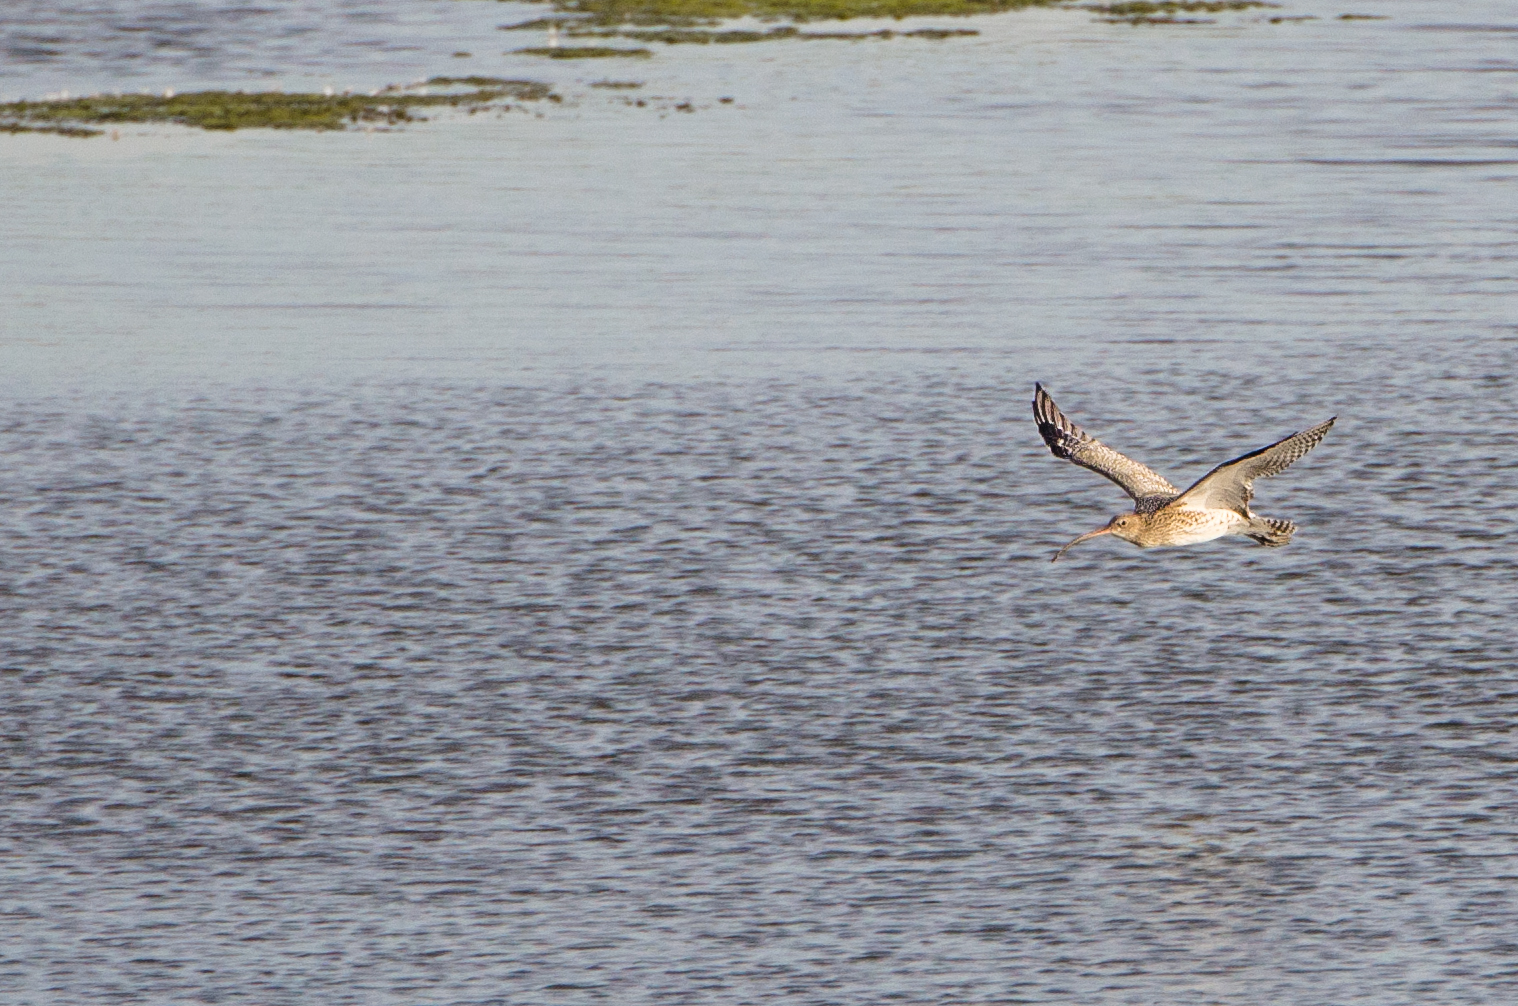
x: 62, y: 130
x: 1165, y: 11
x: 583, y: 52
x: 690, y: 13
x: 229, y: 110
x: 703, y: 36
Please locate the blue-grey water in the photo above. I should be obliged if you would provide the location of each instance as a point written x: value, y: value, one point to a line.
x: 603, y: 557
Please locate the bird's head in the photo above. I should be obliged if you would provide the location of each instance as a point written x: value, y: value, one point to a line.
x: 1125, y: 525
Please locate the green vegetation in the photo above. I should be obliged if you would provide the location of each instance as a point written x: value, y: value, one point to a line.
x: 228, y: 110
x: 77, y: 131
x: 934, y: 33
x: 583, y: 52
x: 702, y: 36
x: 673, y: 36
x: 539, y: 23
x: 1164, y: 11
x: 1152, y: 8
x: 687, y: 13
x: 1175, y: 6
x: 522, y: 90
x: 689, y: 21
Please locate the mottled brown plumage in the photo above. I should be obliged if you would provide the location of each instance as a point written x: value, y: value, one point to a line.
x: 1216, y: 505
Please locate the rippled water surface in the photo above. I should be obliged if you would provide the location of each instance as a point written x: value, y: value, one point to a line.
x: 602, y: 557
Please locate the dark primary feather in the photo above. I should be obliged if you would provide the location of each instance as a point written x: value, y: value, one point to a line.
x: 1066, y: 440
x: 1229, y: 486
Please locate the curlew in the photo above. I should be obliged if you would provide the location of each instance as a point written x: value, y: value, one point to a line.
x: 1217, y: 505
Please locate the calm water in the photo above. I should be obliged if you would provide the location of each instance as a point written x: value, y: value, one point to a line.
x: 603, y: 557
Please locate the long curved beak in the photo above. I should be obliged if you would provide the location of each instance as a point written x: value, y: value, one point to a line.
x: 1085, y: 537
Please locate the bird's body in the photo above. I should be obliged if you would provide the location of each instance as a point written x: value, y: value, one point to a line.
x: 1216, y: 505
x: 1186, y: 527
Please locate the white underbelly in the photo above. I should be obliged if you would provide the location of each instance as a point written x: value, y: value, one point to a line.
x: 1207, y: 525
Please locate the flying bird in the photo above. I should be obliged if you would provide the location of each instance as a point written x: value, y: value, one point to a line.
x: 1217, y: 505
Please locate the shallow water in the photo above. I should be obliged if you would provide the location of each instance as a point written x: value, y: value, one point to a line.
x: 603, y: 557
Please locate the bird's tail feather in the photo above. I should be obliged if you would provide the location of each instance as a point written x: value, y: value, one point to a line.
x: 1271, y: 532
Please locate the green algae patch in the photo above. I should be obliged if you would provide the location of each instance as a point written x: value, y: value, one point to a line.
x: 937, y: 34
x: 541, y: 23
x: 929, y: 33
x: 701, y: 36
x: 14, y: 128
x: 1141, y: 12
x: 583, y: 52
x: 1165, y: 11
x: 688, y: 13
x: 1175, y: 6
x: 679, y: 36
x: 230, y: 110
x: 521, y: 90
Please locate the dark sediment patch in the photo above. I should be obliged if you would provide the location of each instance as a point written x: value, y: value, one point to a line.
x: 617, y: 85
x: 940, y: 33
x: 522, y: 90
x: 230, y: 110
x: 676, y: 36
x: 75, y: 131
x: 702, y: 36
x: 680, y: 21
x: 1164, y: 19
x: 583, y: 52
x: 1165, y: 11
x: 687, y: 13
x: 928, y: 33
x: 542, y: 24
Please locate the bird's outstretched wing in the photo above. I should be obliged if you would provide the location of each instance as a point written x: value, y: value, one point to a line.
x: 1068, y: 441
x: 1229, y: 485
